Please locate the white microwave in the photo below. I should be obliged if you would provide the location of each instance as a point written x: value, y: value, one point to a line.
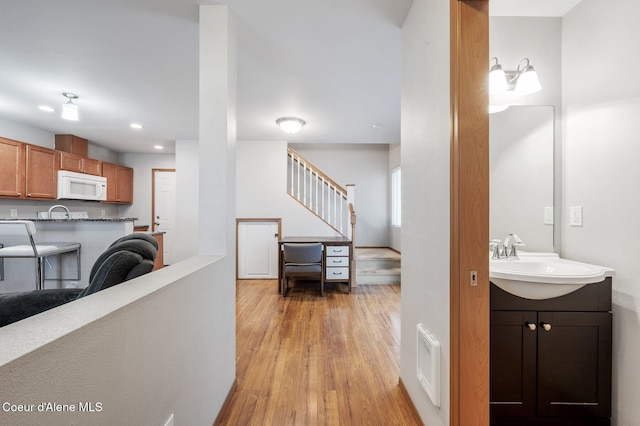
x: 80, y: 186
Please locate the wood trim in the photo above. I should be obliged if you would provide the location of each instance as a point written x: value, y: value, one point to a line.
x: 318, y: 171
x: 469, y: 213
x: 226, y: 403
x: 412, y: 406
x: 255, y: 219
x: 153, y: 195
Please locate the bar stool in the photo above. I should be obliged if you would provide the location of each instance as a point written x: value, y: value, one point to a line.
x: 27, y: 229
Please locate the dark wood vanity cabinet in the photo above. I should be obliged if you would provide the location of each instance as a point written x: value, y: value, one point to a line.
x: 551, y: 366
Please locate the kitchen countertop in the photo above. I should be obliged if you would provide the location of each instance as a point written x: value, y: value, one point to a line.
x: 90, y: 219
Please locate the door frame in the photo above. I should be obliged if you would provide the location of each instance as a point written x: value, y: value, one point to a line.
x: 469, y: 210
x: 153, y: 195
x: 270, y: 219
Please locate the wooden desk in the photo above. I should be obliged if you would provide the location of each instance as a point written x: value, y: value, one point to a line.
x: 338, y: 256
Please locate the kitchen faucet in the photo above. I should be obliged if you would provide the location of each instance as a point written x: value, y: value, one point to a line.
x: 59, y: 206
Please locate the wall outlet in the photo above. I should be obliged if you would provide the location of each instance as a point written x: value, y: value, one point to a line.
x: 14, y: 212
x: 575, y: 216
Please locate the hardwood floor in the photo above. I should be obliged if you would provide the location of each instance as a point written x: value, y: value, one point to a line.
x: 311, y: 360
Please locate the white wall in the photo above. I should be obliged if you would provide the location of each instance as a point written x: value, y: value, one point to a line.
x: 144, y: 349
x: 366, y: 166
x: 395, y: 240
x: 601, y: 108
x: 187, y: 181
x: 425, y: 191
x: 142, y: 194
x: 22, y: 133
x: 261, y: 182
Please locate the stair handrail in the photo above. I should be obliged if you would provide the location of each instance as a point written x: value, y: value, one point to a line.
x: 295, y: 156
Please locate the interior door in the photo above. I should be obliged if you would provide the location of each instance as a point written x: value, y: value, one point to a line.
x: 258, y: 249
x: 164, y: 209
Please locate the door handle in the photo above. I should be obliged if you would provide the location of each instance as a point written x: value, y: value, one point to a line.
x: 546, y: 326
x: 531, y: 326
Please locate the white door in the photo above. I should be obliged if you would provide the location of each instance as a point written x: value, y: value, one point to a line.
x: 164, y: 209
x: 257, y: 250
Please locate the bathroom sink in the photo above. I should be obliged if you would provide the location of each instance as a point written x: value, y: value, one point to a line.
x: 544, y: 275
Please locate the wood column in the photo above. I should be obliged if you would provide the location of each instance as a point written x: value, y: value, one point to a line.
x: 469, y: 213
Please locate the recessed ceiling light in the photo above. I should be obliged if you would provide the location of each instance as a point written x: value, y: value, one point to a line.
x: 135, y: 126
x: 158, y: 147
x: 45, y: 108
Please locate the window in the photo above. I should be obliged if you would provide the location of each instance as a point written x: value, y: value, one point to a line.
x: 396, y: 197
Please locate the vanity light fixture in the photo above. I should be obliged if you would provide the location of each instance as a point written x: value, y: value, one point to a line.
x: 290, y: 125
x: 69, y: 109
x: 523, y: 81
x: 497, y: 78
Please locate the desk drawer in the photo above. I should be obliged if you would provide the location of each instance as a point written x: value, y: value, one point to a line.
x: 332, y: 261
x: 337, y: 250
x: 340, y: 273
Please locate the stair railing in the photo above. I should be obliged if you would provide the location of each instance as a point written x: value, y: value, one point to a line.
x: 318, y: 193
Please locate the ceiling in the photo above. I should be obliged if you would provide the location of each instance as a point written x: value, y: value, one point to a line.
x: 334, y: 63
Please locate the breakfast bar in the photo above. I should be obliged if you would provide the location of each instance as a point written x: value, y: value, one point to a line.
x: 93, y: 234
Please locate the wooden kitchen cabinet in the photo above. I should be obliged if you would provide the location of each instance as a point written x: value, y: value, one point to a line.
x: 41, y: 172
x: 551, y: 366
x: 119, y: 183
x: 73, y: 145
x: 80, y: 164
x: 12, y: 168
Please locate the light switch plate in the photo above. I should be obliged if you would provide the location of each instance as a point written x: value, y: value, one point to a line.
x: 548, y: 215
x: 575, y: 216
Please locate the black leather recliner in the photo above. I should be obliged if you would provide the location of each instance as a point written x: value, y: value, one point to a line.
x: 125, y: 259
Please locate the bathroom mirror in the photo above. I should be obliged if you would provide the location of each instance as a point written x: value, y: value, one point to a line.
x: 521, y: 181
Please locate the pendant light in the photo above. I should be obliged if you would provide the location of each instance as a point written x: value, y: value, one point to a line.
x: 69, y: 109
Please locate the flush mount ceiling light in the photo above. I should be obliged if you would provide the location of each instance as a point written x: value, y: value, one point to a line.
x: 523, y: 81
x: 290, y: 124
x: 69, y: 109
x: 45, y: 108
x: 136, y: 126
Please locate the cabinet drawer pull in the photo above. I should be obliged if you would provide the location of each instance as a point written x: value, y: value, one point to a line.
x: 546, y: 326
x: 531, y: 326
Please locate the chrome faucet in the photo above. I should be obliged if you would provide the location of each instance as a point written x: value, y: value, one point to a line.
x: 511, y: 252
x: 494, y: 246
x: 59, y: 206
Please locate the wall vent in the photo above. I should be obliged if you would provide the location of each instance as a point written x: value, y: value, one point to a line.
x: 428, y: 370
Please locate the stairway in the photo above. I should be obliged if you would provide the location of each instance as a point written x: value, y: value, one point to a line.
x: 377, y: 266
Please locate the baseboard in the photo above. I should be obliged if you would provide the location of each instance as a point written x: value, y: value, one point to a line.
x: 225, y: 404
x: 404, y: 390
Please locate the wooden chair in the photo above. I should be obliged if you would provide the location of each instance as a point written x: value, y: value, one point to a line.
x: 302, y: 261
x: 26, y: 229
